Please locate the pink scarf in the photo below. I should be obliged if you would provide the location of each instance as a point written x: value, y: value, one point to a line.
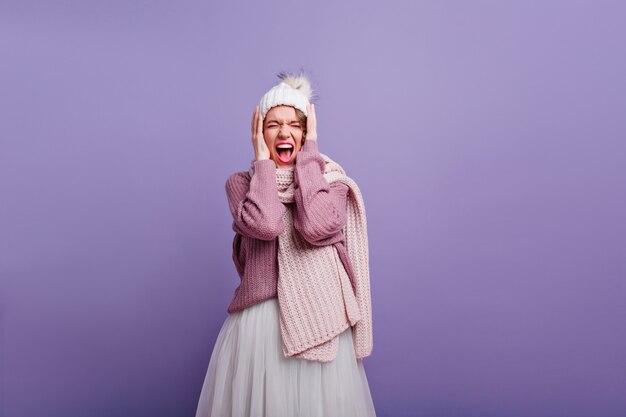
x: 316, y: 297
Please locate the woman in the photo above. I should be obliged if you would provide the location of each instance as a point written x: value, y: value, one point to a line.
x: 299, y: 324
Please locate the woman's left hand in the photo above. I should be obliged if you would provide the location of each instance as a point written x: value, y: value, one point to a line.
x: 311, y: 122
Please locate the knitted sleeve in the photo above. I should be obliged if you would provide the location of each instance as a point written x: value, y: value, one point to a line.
x: 253, y: 202
x: 321, y: 208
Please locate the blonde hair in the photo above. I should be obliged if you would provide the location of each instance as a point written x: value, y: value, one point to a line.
x: 302, y: 119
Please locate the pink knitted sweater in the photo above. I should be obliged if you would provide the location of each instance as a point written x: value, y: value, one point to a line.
x: 257, y: 214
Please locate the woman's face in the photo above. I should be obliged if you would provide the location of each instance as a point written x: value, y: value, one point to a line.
x: 282, y: 127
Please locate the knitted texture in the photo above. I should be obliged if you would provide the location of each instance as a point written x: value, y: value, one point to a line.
x: 320, y: 215
x: 318, y: 299
x: 257, y: 222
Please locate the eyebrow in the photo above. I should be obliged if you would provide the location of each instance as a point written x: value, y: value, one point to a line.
x: 274, y: 120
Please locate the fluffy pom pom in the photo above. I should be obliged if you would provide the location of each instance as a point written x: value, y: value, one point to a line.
x: 300, y: 82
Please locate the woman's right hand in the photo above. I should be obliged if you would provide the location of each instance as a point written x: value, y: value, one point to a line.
x: 261, y: 151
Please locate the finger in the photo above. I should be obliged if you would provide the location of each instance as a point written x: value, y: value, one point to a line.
x: 253, y: 121
x: 260, y: 124
x: 312, y: 119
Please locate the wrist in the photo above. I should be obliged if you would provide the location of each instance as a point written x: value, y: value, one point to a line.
x: 261, y: 165
x: 309, y: 145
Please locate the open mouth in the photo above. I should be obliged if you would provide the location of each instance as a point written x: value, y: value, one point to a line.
x: 284, y: 152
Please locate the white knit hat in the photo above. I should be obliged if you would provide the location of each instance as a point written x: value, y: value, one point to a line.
x: 293, y: 90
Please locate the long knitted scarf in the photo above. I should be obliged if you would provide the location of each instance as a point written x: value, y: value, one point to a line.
x: 317, y: 300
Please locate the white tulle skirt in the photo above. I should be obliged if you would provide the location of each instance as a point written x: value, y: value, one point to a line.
x: 248, y: 376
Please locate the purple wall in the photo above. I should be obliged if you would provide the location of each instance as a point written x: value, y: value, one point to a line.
x: 488, y: 139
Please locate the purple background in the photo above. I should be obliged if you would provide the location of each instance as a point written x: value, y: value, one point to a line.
x: 487, y: 137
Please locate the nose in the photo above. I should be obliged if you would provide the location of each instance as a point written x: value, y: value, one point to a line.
x: 284, y: 131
